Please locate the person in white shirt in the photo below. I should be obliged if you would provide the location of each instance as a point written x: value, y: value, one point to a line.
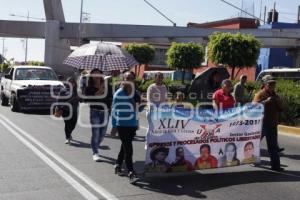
x: 157, y: 92
x: 156, y: 96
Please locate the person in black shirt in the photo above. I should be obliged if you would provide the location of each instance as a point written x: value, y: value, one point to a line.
x: 69, y: 112
x: 98, y: 93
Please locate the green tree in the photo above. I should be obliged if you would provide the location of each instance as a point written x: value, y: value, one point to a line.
x: 143, y: 53
x: 35, y: 63
x: 6, y: 64
x: 233, y: 50
x: 185, y: 56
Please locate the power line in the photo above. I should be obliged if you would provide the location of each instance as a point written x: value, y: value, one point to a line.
x: 23, y: 16
x: 162, y: 14
x: 242, y: 10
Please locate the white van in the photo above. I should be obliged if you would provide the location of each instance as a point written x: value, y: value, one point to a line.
x: 281, y: 73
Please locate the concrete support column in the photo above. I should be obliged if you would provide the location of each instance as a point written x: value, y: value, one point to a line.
x: 56, y: 49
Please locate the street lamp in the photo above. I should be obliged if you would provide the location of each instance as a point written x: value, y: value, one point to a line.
x: 26, y: 39
x: 84, y: 17
x: 81, y: 7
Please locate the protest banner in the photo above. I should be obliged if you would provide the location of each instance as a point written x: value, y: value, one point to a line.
x: 180, y: 139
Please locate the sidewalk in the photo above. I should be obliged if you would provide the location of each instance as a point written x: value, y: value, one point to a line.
x: 289, y: 130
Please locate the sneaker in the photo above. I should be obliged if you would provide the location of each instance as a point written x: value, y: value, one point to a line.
x: 68, y: 141
x: 277, y: 169
x: 132, y: 177
x: 280, y: 150
x: 96, y: 157
x: 117, y: 169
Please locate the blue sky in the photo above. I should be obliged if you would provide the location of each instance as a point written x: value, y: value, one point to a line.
x: 133, y: 12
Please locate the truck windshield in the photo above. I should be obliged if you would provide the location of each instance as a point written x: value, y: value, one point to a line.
x: 35, y: 74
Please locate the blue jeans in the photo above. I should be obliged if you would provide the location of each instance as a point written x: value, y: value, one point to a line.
x: 97, y: 118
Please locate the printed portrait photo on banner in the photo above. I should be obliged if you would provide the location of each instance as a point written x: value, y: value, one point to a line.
x: 181, y: 164
x: 206, y: 160
x: 249, y: 156
x: 230, y: 156
x: 158, y: 155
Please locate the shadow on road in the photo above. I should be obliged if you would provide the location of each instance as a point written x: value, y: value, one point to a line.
x: 194, y: 184
x: 108, y: 160
x: 294, y: 157
x: 37, y: 112
x: 79, y: 144
x: 264, y: 152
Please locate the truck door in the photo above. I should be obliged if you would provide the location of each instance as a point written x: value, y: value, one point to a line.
x: 8, y: 82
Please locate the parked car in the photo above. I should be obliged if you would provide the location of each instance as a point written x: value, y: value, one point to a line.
x: 281, y: 73
x: 29, y: 87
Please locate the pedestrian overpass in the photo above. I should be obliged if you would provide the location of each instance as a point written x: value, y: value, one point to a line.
x: 60, y: 35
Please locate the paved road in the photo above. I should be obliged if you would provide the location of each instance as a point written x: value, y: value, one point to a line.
x: 36, y: 164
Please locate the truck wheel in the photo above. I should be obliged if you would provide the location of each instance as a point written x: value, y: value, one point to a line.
x: 4, y: 100
x: 14, y: 105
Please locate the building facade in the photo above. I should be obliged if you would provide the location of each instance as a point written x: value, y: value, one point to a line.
x: 276, y: 57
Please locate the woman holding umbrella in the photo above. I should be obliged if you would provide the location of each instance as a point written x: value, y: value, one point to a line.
x: 104, y: 57
x: 99, y: 94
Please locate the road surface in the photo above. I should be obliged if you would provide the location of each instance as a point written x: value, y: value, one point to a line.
x: 36, y: 164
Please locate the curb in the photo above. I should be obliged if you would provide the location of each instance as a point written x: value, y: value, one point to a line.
x: 289, y: 130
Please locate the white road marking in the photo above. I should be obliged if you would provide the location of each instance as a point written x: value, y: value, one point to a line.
x: 103, y: 192
x: 76, y: 185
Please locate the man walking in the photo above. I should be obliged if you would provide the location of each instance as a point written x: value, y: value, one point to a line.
x: 273, y: 106
x: 239, y: 91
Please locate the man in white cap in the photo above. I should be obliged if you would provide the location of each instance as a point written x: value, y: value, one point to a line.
x: 273, y: 106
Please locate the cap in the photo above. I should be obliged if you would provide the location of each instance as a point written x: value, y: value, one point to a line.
x: 268, y: 79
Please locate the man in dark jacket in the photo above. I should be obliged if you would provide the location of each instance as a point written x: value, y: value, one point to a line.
x: 273, y: 106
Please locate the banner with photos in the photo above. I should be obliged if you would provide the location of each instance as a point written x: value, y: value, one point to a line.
x: 180, y: 139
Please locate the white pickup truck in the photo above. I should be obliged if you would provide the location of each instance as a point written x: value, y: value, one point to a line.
x: 29, y: 87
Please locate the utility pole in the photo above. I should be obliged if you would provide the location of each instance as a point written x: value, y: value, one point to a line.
x: 298, y: 20
x: 241, y: 15
x: 260, y: 9
x: 80, y: 24
x: 26, y: 42
x: 273, y: 14
x: 3, y: 47
x: 265, y: 13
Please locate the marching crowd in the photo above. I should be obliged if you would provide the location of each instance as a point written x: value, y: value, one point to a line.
x: 123, y: 105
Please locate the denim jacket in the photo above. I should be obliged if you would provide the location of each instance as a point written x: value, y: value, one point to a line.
x: 124, y: 109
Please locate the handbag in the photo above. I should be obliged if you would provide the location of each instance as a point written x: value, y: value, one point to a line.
x: 58, y: 112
